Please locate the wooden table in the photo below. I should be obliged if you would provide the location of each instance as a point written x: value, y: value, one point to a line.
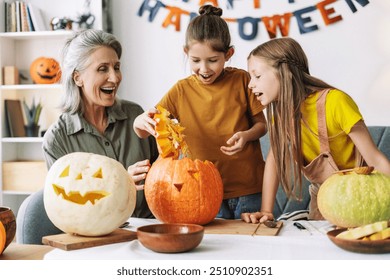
x: 236, y: 242
x: 25, y: 252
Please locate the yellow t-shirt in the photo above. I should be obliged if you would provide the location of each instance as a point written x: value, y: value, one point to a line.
x: 342, y: 114
x: 211, y: 114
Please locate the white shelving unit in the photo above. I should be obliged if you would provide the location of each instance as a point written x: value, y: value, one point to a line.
x: 20, y: 49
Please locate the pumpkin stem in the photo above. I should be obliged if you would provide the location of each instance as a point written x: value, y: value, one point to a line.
x: 364, y: 170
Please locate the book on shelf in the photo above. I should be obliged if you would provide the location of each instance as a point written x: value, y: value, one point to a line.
x: 18, y: 22
x: 7, y: 14
x: 14, y: 117
x: 21, y: 16
x: 10, y: 75
x: 24, y: 17
x: 36, y: 17
x: 30, y: 22
x: 11, y: 16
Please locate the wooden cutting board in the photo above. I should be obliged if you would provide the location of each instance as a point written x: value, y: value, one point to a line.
x: 220, y: 226
x: 69, y: 242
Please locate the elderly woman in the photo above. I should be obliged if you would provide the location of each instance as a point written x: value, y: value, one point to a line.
x: 94, y: 120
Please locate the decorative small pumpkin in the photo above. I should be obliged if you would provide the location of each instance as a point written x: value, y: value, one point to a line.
x: 3, y: 237
x: 7, y: 227
x: 88, y: 194
x: 45, y: 70
x: 184, y: 191
x: 353, y: 200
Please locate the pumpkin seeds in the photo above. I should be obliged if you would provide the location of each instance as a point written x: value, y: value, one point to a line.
x: 270, y: 224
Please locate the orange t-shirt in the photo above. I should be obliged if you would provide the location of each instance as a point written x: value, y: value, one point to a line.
x: 211, y: 114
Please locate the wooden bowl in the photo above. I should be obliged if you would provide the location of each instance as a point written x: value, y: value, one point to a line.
x: 360, y: 246
x: 7, y: 217
x: 170, y: 238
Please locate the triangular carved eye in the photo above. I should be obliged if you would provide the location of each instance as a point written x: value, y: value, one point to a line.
x: 98, y: 174
x: 195, y: 174
x: 79, y: 176
x: 65, y: 172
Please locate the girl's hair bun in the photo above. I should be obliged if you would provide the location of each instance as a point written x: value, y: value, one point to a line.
x: 210, y: 10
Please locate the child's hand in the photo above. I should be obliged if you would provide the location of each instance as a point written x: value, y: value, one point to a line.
x: 144, y: 124
x: 138, y: 172
x: 236, y: 144
x: 257, y: 217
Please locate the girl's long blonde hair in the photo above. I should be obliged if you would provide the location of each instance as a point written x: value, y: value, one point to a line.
x: 289, y: 60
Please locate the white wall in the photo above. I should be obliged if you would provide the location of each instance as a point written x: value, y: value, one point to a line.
x: 352, y: 54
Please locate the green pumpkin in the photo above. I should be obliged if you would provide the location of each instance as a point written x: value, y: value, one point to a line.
x: 353, y: 200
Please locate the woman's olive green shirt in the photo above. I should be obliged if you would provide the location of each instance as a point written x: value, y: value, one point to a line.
x: 72, y: 133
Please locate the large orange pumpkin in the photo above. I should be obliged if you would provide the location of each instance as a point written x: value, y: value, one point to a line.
x: 45, y: 70
x: 177, y: 188
x: 184, y: 190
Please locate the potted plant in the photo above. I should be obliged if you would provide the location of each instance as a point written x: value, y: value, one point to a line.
x: 32, y: 116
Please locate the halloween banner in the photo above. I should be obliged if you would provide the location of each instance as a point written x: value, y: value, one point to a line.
x: 247, y: 26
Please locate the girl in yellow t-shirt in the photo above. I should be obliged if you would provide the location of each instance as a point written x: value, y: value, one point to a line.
x: 223, y: 121
x: 312, y: 125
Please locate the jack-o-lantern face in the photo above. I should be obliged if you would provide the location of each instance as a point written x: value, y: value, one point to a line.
x: 184, y: 191
x: 75, y: 196
x: 45, y: 70
x: 88, y: 194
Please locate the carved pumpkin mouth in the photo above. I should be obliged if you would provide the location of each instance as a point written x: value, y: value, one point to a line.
x: 77, y: 198
x: 48, y: 77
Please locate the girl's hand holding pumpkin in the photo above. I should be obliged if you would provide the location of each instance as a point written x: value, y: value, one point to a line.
x: 257, y: 217
x: 138, y: 172
x: 144, y: 124
x: 236, y: 144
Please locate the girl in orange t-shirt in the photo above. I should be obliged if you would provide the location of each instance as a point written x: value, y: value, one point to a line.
x: 223, y: 121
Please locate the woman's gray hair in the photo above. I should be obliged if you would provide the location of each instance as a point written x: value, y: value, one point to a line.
x: 75, y: 55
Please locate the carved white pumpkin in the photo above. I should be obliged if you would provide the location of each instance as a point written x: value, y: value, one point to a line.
x: 88, y: 194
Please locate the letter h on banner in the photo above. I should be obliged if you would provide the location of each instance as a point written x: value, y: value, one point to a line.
x: 153, y: 9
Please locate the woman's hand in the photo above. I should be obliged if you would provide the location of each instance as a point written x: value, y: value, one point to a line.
x: 144, y: 124
x: 138, y: 172
x: 236, y: 144
x: 257, y: 217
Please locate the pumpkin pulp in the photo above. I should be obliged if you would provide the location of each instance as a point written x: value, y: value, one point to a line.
x: 170, y: 137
